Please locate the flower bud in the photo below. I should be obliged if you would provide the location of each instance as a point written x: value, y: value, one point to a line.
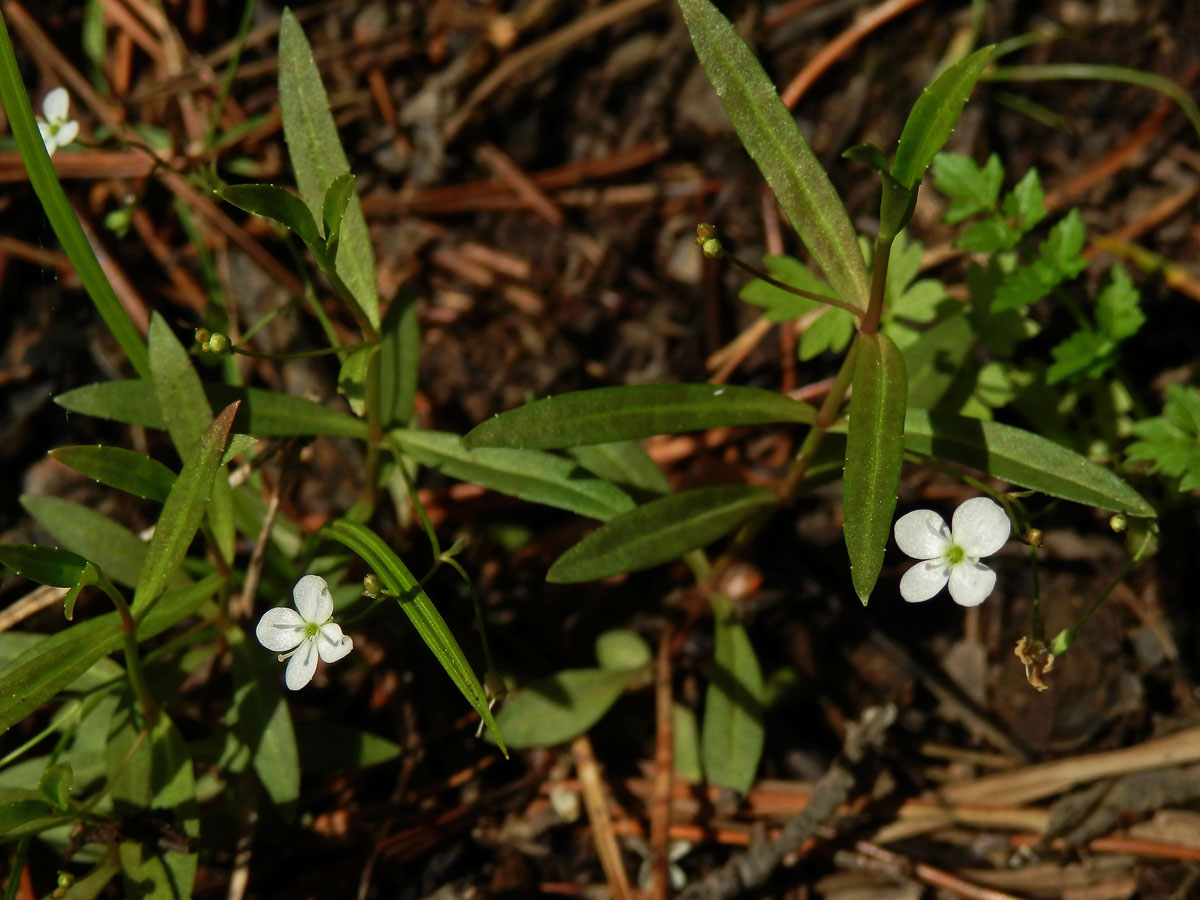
x: 705, y: 232
x: 1034, y: 537
x: 1119, y: 522
x: 219, y: 343
x: 202, y: 336
x: 371, y: 585
x: 712, y: 248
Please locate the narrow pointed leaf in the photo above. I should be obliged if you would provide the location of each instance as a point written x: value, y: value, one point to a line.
x: 660, y: 531
x: 773, y: 139
x: 182, y: 511
x: 399, y: 353
x: 112, y: 546
x: 874, y: 453
x: 529, y: 474
x: 604, y: 415
x: 280, y: 206
x: 262, y: 413
x: 45, y: 565
x: 420, y: 610
x: 625, y: 463
x: 318, y: 159
x: 1022, y: 458
x: 731, y: 738
x: 333, y: 207
x: 125, y: 470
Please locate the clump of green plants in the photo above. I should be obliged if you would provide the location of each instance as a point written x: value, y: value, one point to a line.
x: 921, y: 377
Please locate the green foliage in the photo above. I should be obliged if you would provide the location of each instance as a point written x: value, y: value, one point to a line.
x: 1091, y: 351
x: 732, y: 736
x: 1170, y: 443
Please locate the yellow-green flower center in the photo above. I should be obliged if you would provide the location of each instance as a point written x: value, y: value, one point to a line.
x: 955, y: 554
x: 310, y: 630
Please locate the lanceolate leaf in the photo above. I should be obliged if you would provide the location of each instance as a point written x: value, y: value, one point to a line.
x: 1021, y: 457
x: 660, y: 531
x: 125, y: 470
x: 318, y: 159
x: 112, y: 546
x: 625, y: 463
x: 262, y: 413
x: 281, y: 206
x: 51, y: 664
x: 561, y: 706
x: 420, y: 610
x: 771, y: 136
x: 182, y: 512
x: 731, y: 738
x: 603, y: 415
x: 874, y: 453
x: 45, y: 565
x: 398, y: 355
x: 529, y: 474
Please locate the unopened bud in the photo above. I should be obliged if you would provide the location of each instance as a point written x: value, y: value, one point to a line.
x: 202, y: 336
x: 1119, y: 522
x: 371, y: 585
x: 218, y: 343
x: 705, y: 232
x: 1034, y: 537
x: 712, y: 249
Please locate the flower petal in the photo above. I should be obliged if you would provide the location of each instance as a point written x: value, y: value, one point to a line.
x: 313, y: 599
x: 67, y: 132
x: 56, y: 105
x: 924, y: 580
x: 280, y: 629
x: 301, y: 666
x: 980, y: 527
x: 971, y: 582
x: 332, y: 644
x: 48, y: 137
x: 922, y: 534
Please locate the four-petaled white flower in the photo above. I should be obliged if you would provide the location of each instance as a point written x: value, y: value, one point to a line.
x: 304, y: 633
x: 979, y: 528
x: 57, y: 130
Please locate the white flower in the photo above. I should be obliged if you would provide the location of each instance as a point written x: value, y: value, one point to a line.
x: 980, y: 528
x: 57, y: 130
x: 304, y: 633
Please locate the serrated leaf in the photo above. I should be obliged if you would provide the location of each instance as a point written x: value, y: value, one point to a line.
x: 52, y: 664
x: 780, y: 305
x: 555, y: 709
x: 318, y: 160
x: 731, y: 737
x: 1118, y: 308
x: 625, y: 463
x: 420, y: 610
x: 772, y: 138
x: 1025, y: 204
x: 1083, y: 353
x: 934, y: 116
x: 1022, y: 458
x: 529, y: 474
x: 1171, y: 442
x: 990, y: 235
x: 1061, y: 249
x: 182, y: 512
x: 603, y: 415
x: 281, y: 206
x: 830, y: 332
x: 874, y: 453
x: 972, y: 189
x: 125, y: 470
x: 660, y: 531
x: 262, y: 413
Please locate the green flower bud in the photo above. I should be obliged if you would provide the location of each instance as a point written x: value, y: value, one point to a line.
x: 219, y: 343
x: 1034, y: 537
x: 372, y: 585
x: 1119, y: 522
x: 712, y: 249
x: 202, y: 337
x: 705, y: 232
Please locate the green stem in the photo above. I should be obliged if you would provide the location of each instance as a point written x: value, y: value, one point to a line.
x: 799, y: 292
x: 1037, y: 629
x: 303, y: 354
x: 133, y: 662
x: 879, y: 269
x: 374, y: 426
x: 18, y: 867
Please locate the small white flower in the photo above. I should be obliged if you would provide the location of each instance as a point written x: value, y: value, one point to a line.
x: 979, y: 529
x: 57, y: 130
x: 304, y: 633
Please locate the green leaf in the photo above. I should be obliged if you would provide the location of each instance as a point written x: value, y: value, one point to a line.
x: 603, y: 415
x: 731, y: 738
x: 621, y: 648
x: 990, y: 235
x: 830, y: 332
x: 625, y: 463
x: 874, y: 454
x: 55, y: 784
x: 869, y: 155
x: 260, y: 718
x: 333, y: 208
x: 1118, y: 308
x: 399, y: 353
x: 1171, y: 442
x: 114, y: 548
x: 1059, y: 259
x: 327, y: 746
x: 182, y: 512
x: 935, y: 361
x: 318, y: 160
x: 780, y: 305
x: 154, y: 772
x: 26, y: 814
x: 529, y: 474
x: 934, y: 116
x: 771, y: 136
x: 685, y: 740
x: 262, y: 413
x: 971, y: 189
x: 281, y: 206
x: 58, y: 209
x: 125, y: 470
x: 52, y: 664
x: 45, y: 565
x: 1025, y: 204
x: 352, y: 378
x: 562, y: 706
x: 1022, y: 458
x: 420, y: 610
x: 660, y: 531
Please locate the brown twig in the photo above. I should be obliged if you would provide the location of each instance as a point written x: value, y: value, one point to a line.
x: 597, y: 809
